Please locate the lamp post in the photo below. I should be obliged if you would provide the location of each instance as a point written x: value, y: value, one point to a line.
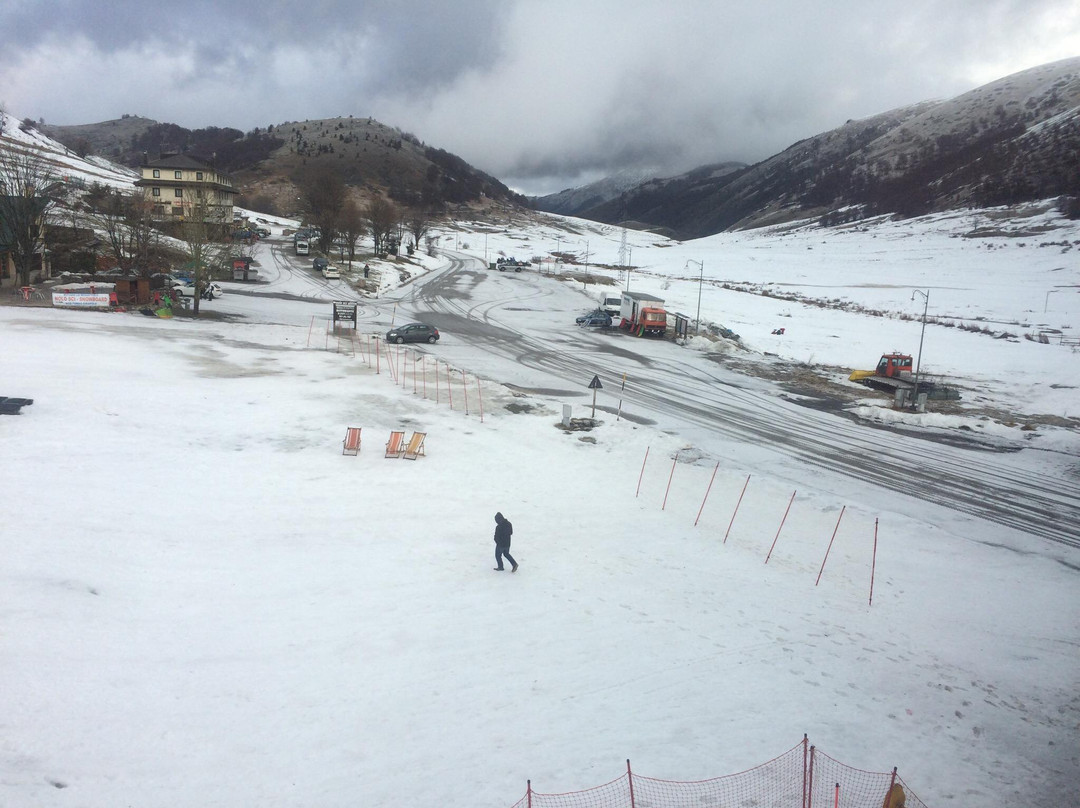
x: 1047, y: 301
x: 629, y: 256
x: 701, y: 279
x: 918, y: 361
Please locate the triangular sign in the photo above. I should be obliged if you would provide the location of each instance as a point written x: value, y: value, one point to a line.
x: 595, y: 384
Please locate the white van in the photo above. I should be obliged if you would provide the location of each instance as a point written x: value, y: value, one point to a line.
x: 302, y: 247
x: 610, y: 303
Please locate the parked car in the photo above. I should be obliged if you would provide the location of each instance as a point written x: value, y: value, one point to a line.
x: 595, y: 319
x: 413, y: 332
x: 330, y: 272
x: 262, y: 231
x: 188, y: 289
x: 320, y: 264
x: 117, y: 272
x: 594, y: 314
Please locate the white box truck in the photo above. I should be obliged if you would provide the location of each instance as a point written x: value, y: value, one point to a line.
x: 610, y: 303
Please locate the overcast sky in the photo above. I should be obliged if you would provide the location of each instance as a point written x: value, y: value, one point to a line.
x: 543, y: 94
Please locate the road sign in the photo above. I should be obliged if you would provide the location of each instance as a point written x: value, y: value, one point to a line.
x: 595, y: 384
x: 344, y: 310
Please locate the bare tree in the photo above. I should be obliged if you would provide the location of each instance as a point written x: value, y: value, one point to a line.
x: 326, y: 195
x: 198, y: 231
x: 125, y: 220
x: 351, y: 226
x: 383, y: 216
x: 417, y: 222
x: 27, y: 179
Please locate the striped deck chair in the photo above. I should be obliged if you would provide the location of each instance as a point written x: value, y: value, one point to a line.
x: 416, y: 446
x: 393, y: 446
x: 351, y: 444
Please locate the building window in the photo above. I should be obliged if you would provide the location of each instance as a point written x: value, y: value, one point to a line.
x: 157, y: 173
x: 156, y: 192
x: 178, y: 174
x: 159, y: 210
x: 178, y: 212
x: 198, y: 176
x: 178, y: 192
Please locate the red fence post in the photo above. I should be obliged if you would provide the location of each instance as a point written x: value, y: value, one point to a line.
x: 836, y: 800
x: 480, y: 396
x: 805, y: 769
x: 873, y: 565
x: 826, y: 558
x: 793, y: 493
x: 643, y: 462
x: 465, y: 390
x: 810, y: 781
x: 630, y: 780
x: 528, y: 793
x: 737, y: 504
x: 889, y: 795
x: 707, y: 490
x: 670, y: 476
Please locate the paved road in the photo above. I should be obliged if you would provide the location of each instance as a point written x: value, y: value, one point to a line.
x: 510, y: 317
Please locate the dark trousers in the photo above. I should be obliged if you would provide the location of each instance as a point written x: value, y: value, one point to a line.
x: 500, y: 552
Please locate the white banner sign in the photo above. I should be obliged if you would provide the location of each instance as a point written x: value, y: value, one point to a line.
x: 80, y: 300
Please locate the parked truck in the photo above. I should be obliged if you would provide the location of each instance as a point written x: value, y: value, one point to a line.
x: 610, y: 302
x: 642, y: 314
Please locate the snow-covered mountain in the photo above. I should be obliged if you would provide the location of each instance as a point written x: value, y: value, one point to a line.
x: 1013, y: 140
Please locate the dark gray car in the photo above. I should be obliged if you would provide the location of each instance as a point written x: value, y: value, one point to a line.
x: 413, y: 332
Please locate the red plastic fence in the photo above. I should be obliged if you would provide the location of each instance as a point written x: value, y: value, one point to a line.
x: 802, y: 777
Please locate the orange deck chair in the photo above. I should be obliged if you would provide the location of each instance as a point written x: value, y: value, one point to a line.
x: 351, y: 444
x: 393, y: 446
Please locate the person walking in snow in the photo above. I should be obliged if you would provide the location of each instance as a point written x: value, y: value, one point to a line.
x: 503, y: 531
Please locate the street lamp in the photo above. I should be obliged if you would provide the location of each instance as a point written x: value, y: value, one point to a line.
x: 701, y: 279
x: 918, y: 361
x: 629, y: 255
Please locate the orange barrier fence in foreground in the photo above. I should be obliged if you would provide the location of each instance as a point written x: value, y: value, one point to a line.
x: 802, y: 777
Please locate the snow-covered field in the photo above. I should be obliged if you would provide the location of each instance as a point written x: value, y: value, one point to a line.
x: 203, y: 603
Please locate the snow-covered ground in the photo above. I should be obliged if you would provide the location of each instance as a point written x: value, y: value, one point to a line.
x: 202, y: 602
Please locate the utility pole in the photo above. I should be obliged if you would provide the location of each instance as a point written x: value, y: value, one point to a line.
x: 701, y: 279
x: 918, y: 360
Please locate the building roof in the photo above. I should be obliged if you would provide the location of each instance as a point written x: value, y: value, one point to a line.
x: 178, y: 161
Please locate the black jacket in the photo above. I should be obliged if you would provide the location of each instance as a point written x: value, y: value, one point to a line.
x: 503, y: 530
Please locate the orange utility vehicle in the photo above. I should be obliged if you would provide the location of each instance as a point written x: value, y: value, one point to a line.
x: 642, y: 315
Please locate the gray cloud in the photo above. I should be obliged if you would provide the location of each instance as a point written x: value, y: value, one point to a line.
x: 535, y: 92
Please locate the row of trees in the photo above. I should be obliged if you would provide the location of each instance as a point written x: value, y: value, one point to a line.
x: 336, y: 213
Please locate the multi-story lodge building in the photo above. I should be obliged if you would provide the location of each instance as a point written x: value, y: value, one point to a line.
x: 179, y: 186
